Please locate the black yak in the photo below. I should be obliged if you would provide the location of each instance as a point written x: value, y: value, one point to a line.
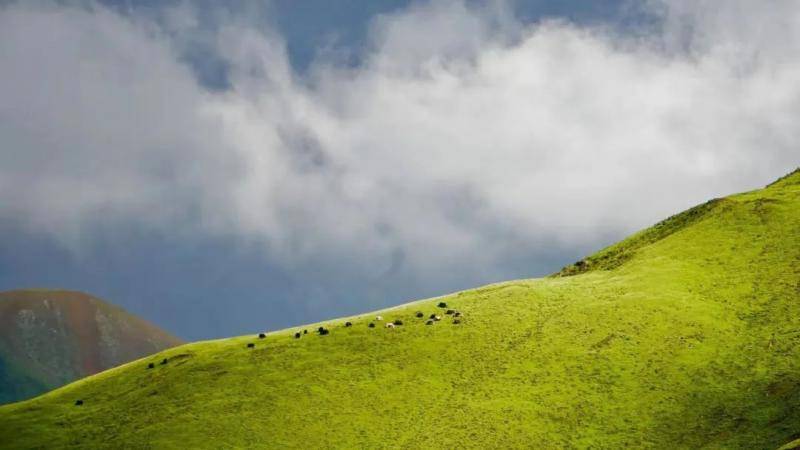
x: 250, y: 345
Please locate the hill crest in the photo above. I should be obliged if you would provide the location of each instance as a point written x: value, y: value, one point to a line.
x: 690, y: 339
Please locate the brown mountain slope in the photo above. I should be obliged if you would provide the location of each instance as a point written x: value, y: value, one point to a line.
x: 51, y: 337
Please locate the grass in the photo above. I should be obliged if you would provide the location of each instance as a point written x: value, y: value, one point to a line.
x: 686, y: 335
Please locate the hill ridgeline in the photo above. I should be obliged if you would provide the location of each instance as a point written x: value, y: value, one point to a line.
x: 685, y: 335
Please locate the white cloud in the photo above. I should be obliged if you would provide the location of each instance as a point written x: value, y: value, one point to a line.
x: 464, y: 140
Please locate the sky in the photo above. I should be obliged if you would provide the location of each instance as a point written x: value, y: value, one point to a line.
x: 222, y: 170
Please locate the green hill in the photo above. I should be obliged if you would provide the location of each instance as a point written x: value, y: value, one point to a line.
x: 686, y: 335
x: 51, y: 337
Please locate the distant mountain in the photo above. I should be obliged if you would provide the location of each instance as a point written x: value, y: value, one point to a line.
x: 51, y: 337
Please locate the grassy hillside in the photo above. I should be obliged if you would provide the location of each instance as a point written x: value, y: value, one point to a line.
x: 686, y: 335
x: 51, y: 337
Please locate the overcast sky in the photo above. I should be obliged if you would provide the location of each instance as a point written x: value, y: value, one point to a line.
x: 226, y: 170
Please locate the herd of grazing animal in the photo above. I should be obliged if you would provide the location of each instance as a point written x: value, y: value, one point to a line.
x: 322, y: 331
x: 433, y: 318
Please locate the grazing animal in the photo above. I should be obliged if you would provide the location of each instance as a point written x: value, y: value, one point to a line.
x: 305, y: 331
x: 390, y: 325
x: 429, y: 322
x: 324, y: 331
x: 348, y: 324
x: 419, y: 314
x: 163, y: 361
x: 456, y: 322
x: 437, y: 318
x: 250, y: 345
x: 261, y: 335
x: 442, y: 305
x: 457, y: 314
x: 432, y: 316
x: 398, y: 322
x: 150, y: 366
x: 78, y: 402
x: 379, y: 318
x: 371, y: 325
x: 450, y: 311
x: 297, y: 335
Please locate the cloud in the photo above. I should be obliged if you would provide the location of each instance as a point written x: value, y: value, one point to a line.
x: 464, y: 143
x: 98, y: 119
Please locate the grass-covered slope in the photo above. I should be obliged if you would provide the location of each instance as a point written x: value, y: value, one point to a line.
x: 685, y: 337
x: 51, y: 337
